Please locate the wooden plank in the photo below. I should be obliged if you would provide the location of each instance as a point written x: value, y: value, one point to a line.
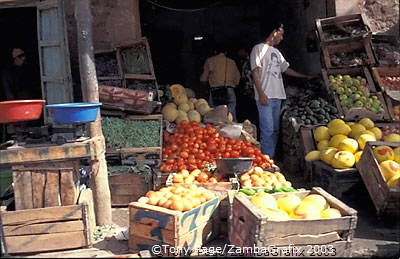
x: 67, y: 187
x: 52, y: 189
x: 139, y: 76
x: 18, y: 155
x: 38, y: 187
x: 324, y: 238
x: 44, y: 228
x: 390, y: 106
x: 51, y: 214
x: 22, y: 190
x: 45, y: 242
x: 86, y: 197
x: 128, y: 189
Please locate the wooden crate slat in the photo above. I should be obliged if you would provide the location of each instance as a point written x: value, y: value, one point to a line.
x: 44, y: 228
x: 45, y: 242
x: 304, y: 239
x: 390, y: 106
x: 382, y: 196
x: 50, y: 214
x: 67, y: 187
x: 52, y: 189
x: 22, y: 190
x: 38, y: 187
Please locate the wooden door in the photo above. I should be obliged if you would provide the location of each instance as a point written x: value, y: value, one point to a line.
x: 53, y: 53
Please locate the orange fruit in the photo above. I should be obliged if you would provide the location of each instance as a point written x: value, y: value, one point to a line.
x: 149, y: 193
x: 189, y: 179
x: 212, y: 180
x: 167, y: 204
x: 196, y: 202
x: 195, y: 172
x: 176, y: 205
x: 184, y: 173
x: 187, y: 205
x: 178, y: 178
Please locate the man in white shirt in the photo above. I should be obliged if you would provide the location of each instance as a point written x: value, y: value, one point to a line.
x: 267, y: 65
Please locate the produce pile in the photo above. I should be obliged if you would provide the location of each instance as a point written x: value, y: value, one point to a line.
x: 106, y: 64
x: 197, y: 176
x: 180, y: 197
x: 193, y: 147
x: 258, y: 177
x: 119, y: 133
x: 390, y: 129
x: 353, y: 93
x: 348, y: 59
x: 183, y: 108
x: 291, y: 206
x: 348, y: 31
x: 396, y: 110
x: 340, y: 144
x: 387, y: 53
x: 389, y: 163
x: 391, y: 82
x: 253, y: 191
x: 313, y: 112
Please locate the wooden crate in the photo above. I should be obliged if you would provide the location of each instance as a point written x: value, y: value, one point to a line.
x: 333, y: 24
x: 391, y: 103
x: 47, y: 184
x: 150, y: 225
x: 364, y: 46
x: 143, y: 152
x: 383, y: 43
x: 46, y: 229
x: 351, y: 71
x: 122, y: 99
x: 379, y: 72
x: 335, y: 181
x: 101, y: 57
x: 249, y: 227
x: 159, y: 178
x: 355, y: 113
x: 318, y: 173
x: 128, y: 187
x: 385, y: 199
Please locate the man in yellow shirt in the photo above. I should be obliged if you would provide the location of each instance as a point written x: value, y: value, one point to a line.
x: 222, y: 74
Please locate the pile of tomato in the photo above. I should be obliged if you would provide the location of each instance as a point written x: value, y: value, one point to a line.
x: 193, y: 147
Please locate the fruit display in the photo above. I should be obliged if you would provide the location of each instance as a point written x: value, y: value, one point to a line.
x: 341, y: 144
x: 197, y: 176
x: 387, y: 53
x: 390, y: 129
x: 253, y: 191
x: 396, y: 111
x: 317, y: 111
x: 119, y: 133
x: 349, y: 59
x: 192, y: 146
x: 184, y: 108
x: 389, y: 159
x: 180, y: 197
x: 348, y: 31
x: 258, y: 177
x: 391, y: 83
x: 290, y: 206
x: 353, y: 93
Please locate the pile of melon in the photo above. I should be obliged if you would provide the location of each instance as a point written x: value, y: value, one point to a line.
x: 182, y: 108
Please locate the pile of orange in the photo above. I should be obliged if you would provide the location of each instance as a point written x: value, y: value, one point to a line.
x: 180, y: 197
x: 257, y: 177
x: 197, y: 176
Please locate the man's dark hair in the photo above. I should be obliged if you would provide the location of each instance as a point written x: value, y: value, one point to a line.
x: 276, y: 25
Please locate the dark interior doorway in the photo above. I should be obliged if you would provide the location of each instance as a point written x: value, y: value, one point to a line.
x: 19, y: 30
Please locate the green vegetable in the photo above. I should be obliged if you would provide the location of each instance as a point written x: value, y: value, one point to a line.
x: 247, y: 191
x: 120, y: 133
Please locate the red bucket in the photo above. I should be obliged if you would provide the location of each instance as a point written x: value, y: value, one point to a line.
x: 20, y: 110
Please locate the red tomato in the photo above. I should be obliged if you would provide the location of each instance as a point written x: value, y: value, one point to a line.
x: 184, y: 154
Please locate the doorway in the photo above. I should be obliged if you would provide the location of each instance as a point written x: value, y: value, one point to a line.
x: 19, y: 29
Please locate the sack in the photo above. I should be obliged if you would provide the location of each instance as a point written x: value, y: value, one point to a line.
x: 220, y: 96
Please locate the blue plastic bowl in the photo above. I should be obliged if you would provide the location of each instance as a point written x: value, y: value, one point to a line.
x: 65, y: 113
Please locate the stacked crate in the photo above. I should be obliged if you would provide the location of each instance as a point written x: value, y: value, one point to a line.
x: 345, y: 37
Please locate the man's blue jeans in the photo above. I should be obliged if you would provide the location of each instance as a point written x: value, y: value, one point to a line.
x: 269, y: 117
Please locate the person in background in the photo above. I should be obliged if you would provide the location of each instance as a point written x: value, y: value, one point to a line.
x: 246, y: 105
x: 222, y: 74
x: 267, y: 66
x: 17, y: 80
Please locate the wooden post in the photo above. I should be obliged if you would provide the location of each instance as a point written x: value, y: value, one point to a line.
x: 101, y: 190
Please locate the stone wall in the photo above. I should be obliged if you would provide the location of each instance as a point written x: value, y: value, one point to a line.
x: 382, y: 15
